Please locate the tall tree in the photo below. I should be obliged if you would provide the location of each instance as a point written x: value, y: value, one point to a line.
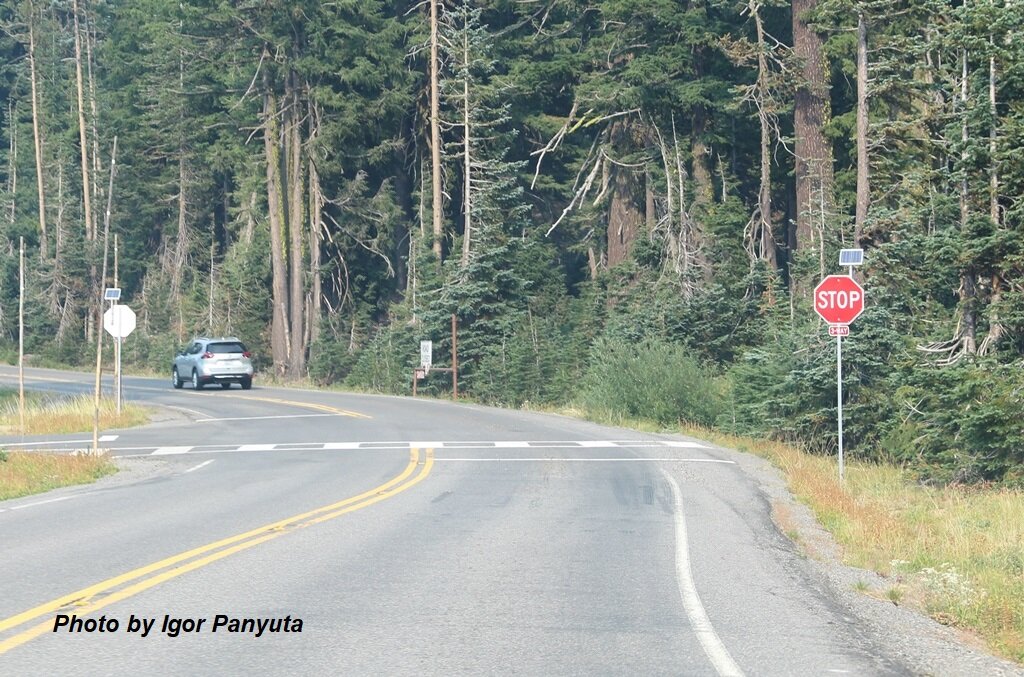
x: 812, y: 148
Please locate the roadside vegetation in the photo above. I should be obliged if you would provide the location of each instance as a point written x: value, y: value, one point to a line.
x: 950, y: 548
x: 25, y: 473
x: 955, y: 553
x: 48, y: 414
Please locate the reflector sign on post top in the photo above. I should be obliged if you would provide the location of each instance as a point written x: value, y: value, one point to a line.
x: 838, y: 299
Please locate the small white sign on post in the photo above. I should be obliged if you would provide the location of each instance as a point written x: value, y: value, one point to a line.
x: 119, y: 321
x: 426, y: 354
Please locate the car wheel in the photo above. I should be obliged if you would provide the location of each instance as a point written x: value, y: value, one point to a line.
x: 196, y: 384
x: 246, y: 383
x: 225, y: 385
x: 175, y: 378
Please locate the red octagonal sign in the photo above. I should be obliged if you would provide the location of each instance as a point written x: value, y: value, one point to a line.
x: 839, y: 299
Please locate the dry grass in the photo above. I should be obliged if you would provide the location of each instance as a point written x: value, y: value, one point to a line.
x: 955, y: 553
x: 23, y: 473
x: 47, y: 415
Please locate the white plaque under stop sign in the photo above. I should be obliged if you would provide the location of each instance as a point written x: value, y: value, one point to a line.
x: 119, y: 321
x: 839, y: 330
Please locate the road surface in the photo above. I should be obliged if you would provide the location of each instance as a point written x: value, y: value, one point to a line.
x: 383, y: 535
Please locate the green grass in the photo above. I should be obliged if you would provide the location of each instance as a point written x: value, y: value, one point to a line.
x: 22, y: 473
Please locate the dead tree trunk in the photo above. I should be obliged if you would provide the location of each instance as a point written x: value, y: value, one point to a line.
x: 968, y: 282
x: 763, y: 232
x: 179, y: 261
x: 279, y: 317
x: 467, y: 157
x: 296, y: 221
x: 37, y: 132
x: 995, y: 326
x: 863, y: 185
x: 90, y: 233
x: 316, y: 206
x: 12, y: 165
x: 435, y: 134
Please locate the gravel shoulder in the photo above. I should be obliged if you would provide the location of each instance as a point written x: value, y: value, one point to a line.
x: 921, y: 644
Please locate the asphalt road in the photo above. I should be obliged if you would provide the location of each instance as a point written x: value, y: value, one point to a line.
x: 409, y: 537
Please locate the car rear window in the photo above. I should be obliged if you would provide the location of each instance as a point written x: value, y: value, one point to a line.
x: 221, y: 348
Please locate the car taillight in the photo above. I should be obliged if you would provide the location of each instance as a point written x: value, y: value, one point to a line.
x: 246, y: 354
x: 207, y: 355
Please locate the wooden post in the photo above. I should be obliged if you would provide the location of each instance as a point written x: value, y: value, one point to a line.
x: 455, y: 359
x: 117, y: 344
x: 99, y: 325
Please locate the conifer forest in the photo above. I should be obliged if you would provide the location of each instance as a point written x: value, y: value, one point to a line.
x: 626, y: 204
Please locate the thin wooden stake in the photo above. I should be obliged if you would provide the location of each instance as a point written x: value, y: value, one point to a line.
x: 103, y: 279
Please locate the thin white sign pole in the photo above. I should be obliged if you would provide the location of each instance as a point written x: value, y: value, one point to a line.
x: 839, y: 398
x: 118, y: 347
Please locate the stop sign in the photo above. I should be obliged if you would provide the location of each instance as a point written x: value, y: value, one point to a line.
x: 119, y: 321
x: 839, y: 299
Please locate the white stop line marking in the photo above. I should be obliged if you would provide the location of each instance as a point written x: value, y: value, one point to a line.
x: 455, y: 444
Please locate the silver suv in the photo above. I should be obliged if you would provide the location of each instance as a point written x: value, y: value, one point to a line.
x: 223, y: 360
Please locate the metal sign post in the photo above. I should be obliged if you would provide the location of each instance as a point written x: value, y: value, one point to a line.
x: 839, y: 300
x: 119, y: 321
x: 839, y: 399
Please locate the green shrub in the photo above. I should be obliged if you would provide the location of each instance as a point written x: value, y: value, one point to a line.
x: 385, y: 365
x: 960, y: 423
x: 652, y: 379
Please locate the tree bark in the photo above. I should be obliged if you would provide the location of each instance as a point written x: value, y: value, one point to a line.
x: 813, y: 150
x: 316, y: 206
x: 765, y: 238
x: 467, y: 158
x: 37, y: 133
x: 625, y: 215
x: 703, y: 189
x: 296, y: 222
x: 12, y: 166
x: 181, y: 242
x: 435, y: 134
x: 993, y: 165
x: 968, y: 278
x: 90, y: 233
x: 863, y: 169
x: 279, y: 318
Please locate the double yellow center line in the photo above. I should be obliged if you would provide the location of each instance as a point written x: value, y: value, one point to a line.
x: 307, y: 405
x: 105, y: 593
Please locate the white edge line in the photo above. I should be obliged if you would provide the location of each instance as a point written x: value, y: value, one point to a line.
x: 709, y: 640
x: 197, y: 467
x: 37, y: 444
x: 589, y: 460
x: 49, y: 500
x: 185, y: 409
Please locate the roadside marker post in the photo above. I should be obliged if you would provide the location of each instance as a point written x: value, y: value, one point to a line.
x: 839, y: 300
